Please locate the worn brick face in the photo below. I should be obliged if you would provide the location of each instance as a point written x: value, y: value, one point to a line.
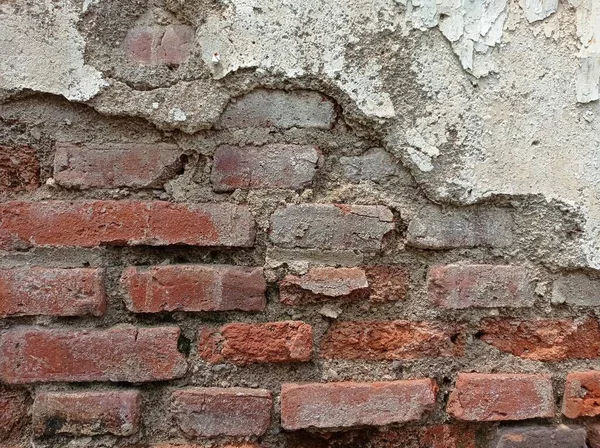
x: 270, y: 166
x: 87, y: 413
x: 582, y: 394
x: 544, y: 339
x: 349, y: 404
x: 52, y: 292
x: 239, y: 343
x: 576, y: 289
x: 121, y: 354
x: 500, y: 397
x: 331, y: 226
x: 540, y: 437
x: 446, y: 228
x: 480, y: 286
x: 159, y: 45
x: 194, y: 288
x: 19, y: 169
x: 14, y: 406
x: 116, y: 165
x: 215, y: 412
x: 279, y: 109
x: 399, y: 339
x: 132, y: 223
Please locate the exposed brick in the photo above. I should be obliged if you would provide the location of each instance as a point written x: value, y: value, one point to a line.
x: 499, y: 397
x: 387, y: 283
x: 479, y: 286
x: 376, y: 165
x: 120, y: 354
x: 289, y: 341
x: 446, y: 228
x: 349, y: 404
x: 398, y: 339
x: 19, y: 169
x: 280, y: 109
x: 186, y: 445
x: 87, y: 413
x: 544, y: 339
x: 214, y: 412
x: 270, y: 166
x: 582, y: 394
x: 331, y: 226
x: 13, y: 413
x: 321, y: 284
x: 576, y: 289
x: 133, y: 223
x: 448, y: 436
x: 593, y: 435
x: 194, y: 288
x: 116, y: 165
x: 159, y: 45
x: 52, y: 292
x: 539, y: 437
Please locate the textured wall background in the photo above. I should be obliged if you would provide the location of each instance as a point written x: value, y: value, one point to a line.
x: 299, y: 224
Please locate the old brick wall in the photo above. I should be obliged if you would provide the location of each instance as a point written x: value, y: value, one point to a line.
x: 279, y: 280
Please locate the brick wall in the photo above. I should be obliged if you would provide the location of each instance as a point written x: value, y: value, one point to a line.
x: 277, y: 281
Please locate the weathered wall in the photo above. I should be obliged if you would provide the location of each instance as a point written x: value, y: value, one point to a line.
x: 299, y: 224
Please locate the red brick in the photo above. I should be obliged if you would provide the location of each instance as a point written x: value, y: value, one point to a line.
x: 349, y: 404
x: 499, y: 397
x: 194, y: 288
x: 582, y: 394
x: 331, y: 226
x: 132, y: 223
x: 544, y: 339
x: 214, y: 412
x: 19, y: 169
x: 448, y: 436
x: 239, y: 343
x: 87, y: 413
x: 479, y: 286
x: 116, y: 165
x: 120, y: 354
x: 159, y: 45
x: 321, y: 284
x: 186, y: 445
x: 387, y: 283
x: 52, y: 292
x: 13, y: 413
x: 270, y: 166
x: 398, y: 339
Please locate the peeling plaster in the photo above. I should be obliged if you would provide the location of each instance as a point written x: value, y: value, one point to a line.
x: 50, y: 59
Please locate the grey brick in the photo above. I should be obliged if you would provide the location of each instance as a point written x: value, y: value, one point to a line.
x: 540, y: 437
x: 576, y: 289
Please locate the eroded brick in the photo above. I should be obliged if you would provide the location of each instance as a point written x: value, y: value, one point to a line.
x: 19, y: 169
x: 544, y: 339
x: 398, y: 339
x: 500, y: 397
x: 331, y: 226
x: 280, y: 109
x: 52, y: 292
x: 270, y: 166
x: 480, y: 286
x: 214, y: 412
x: 159, y: 45
x: 87, y: 413
x: 576, y: 289
x: 240, y: 343
x: 116, y: 165
x: 123, y: 223
x: 349, y: 404
x: 14, y: 405
x: 582, y: 394
x: 194, y: 288
x: 119, y: 354
x: 540, y: 437
x: 446, y: 228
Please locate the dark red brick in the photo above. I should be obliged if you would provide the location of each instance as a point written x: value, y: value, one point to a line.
x: 499, y: 397
x: 52, y: 292
x: 399, y: 339
x: 194, y: 288
x: 215, y: 412
x: 14, y: 405
x: 272, y: 342
x: 133, y: 223
x: 116, y: 165
x: 87, y: 413
x: 19, y: 169
x: 349, y: 404
x: 120, y: 354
